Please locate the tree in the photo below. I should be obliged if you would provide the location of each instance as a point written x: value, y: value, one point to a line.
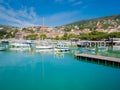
x: 43, y: 36
x: 94, y: 35
x: 114, y: 35
x: 72, y: 36
x: 14, y: 32
x: 32, y: 37
x: 65, y: 36
x: 85, y: 37
x: 3, y: 34
x: 57, y: 38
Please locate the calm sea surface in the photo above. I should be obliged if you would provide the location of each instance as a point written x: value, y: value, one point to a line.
x: 46, y: 71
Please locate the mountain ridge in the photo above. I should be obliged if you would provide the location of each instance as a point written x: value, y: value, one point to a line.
x: 105, y: 22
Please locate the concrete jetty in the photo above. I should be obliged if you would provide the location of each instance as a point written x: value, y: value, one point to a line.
x: 95, y: 57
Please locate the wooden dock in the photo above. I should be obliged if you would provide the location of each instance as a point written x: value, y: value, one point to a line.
x: 96, y: 57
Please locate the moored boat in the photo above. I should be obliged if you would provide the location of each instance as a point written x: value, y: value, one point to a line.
x: 19, y: 46
x: 61, y: 47
x: 2, y: 48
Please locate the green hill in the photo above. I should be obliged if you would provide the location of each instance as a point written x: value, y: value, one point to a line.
x: 7, y: 31
x: 105, y: 22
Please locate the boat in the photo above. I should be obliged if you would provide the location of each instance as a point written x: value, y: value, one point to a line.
x: 116, y: 48
x: 19, y: 46
x: 44, y: 47
x: 2, y: 48
x: 5, y: 41
x: 91, y: 49
x: 61, y: 47
x: 84, y: 44
x: 102, y: 48
x: 44, y: 51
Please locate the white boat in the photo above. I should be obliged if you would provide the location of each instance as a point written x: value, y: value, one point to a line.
x: 102, y: 48
x: 44, y: 51
x: 91, y: 49
x: 61, y: 47
x: 19, y: 46
x: 44, y: 47
x: 116, y: 48
x: 2, y: 48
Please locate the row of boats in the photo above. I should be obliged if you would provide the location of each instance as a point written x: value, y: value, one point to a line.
x: 57, y: 46
x: 29, y: 45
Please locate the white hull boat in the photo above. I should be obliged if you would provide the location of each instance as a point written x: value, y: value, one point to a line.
x: 44, y: 47
x: 2, y: 48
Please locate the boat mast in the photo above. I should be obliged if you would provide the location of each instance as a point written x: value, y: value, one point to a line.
x: 42, y: 27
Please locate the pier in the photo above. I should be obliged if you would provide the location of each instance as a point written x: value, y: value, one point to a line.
x: 99, y: 59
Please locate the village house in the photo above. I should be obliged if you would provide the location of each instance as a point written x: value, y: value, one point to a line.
x: 76, y: 32
x: 86, y: 31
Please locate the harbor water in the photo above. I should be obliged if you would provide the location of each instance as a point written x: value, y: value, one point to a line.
x: 31, y: 70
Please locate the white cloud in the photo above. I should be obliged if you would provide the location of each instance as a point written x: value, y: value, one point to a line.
x: 77, y: 3
x: 58, y: 0
x: 65, y: 1
x: 28, y: 17
x: 71, y: 0
x: 23, y: 17
x: 1, y: 1
x: 62, y: 17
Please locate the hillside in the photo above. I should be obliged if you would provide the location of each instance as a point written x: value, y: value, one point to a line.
x: 92, y: 24
x: 7, y: 31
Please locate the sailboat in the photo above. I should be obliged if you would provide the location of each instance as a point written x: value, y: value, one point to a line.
x: 43, y: 45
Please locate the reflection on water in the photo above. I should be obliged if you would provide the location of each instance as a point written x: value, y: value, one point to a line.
x: 104, y: 51
x: 108, y: 51
x: 100, y: 62
x: 40, y: 70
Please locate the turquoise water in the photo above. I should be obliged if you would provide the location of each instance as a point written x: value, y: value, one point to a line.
x: 47, y: 71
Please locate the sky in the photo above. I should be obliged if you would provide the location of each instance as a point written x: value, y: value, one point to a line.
x: 25, y: 13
